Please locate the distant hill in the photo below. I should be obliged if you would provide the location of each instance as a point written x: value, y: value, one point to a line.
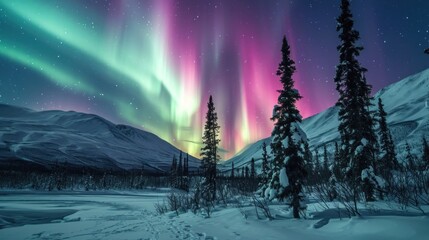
x: 46, y: 138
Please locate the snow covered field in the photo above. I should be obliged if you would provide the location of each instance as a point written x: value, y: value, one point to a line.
x: 131, y: 215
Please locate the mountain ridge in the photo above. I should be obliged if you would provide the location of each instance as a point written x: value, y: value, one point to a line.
x: 405, y: 101
x: 46, y: 138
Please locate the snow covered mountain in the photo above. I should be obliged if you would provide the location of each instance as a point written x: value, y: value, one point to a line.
x: 406, y: 103
x: 45, y: 138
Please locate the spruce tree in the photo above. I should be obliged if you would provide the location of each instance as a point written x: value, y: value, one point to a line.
x: 264, y: 171
x: 209, y: 154
x: 325, y: 166
x: 252, y: 169
x: 411, y: 164
x: 180, y: 166
x: 173, y: 172
x: 186, y: 166
x: 388, y: 161
x: 185, y: 180
x: 285, y: 147
x: 317, y: 166
x: 265, y: 158
x: 180, y: 172
x: 358, y: 139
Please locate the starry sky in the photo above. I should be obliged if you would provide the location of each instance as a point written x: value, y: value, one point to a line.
x: 153, y: 64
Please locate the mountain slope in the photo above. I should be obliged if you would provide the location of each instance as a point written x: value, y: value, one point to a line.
x: 406, y: 103
x: 78, y: 139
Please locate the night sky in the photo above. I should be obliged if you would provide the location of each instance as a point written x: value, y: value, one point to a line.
x: 153, y: 64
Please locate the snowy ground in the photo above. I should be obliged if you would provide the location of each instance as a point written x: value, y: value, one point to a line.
x: 131, y: 215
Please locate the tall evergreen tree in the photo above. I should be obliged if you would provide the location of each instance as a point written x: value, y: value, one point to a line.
x: 264, y: 171
x: 317, y: 166
x: 285, y: 144
x: 183, y: 173
x: 232, y: 170
x: 180, y: 172
x: 358, y: 139
x: 265, y: 166
x: 325, y: 165
x: 388, y: 161
x: 252, y: 169
x: 180, y: 166
x: 411, y: 164
x: 209, y: 154
x: 186, y: 166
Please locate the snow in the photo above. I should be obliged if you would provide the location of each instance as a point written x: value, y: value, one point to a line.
x: 286, y: 160
x: 284, y: 181
x: 358, y: 150
x: 378, y: 181
x: 270, y: 193
x: 131, y: 215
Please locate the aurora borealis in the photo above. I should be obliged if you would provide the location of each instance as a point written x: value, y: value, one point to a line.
x: 153, y: 64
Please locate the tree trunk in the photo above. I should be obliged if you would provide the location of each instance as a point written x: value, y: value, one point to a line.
x: 295, y: 204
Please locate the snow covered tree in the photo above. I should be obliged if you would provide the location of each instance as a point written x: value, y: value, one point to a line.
x: 358, y: 139
x: 411, y: 164
x: 288, y: 171
x: 209, y: 154
x: 388, y: 161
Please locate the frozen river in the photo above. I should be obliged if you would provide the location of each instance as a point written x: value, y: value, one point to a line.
x: 131, y: 215
x: 83, y: 215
